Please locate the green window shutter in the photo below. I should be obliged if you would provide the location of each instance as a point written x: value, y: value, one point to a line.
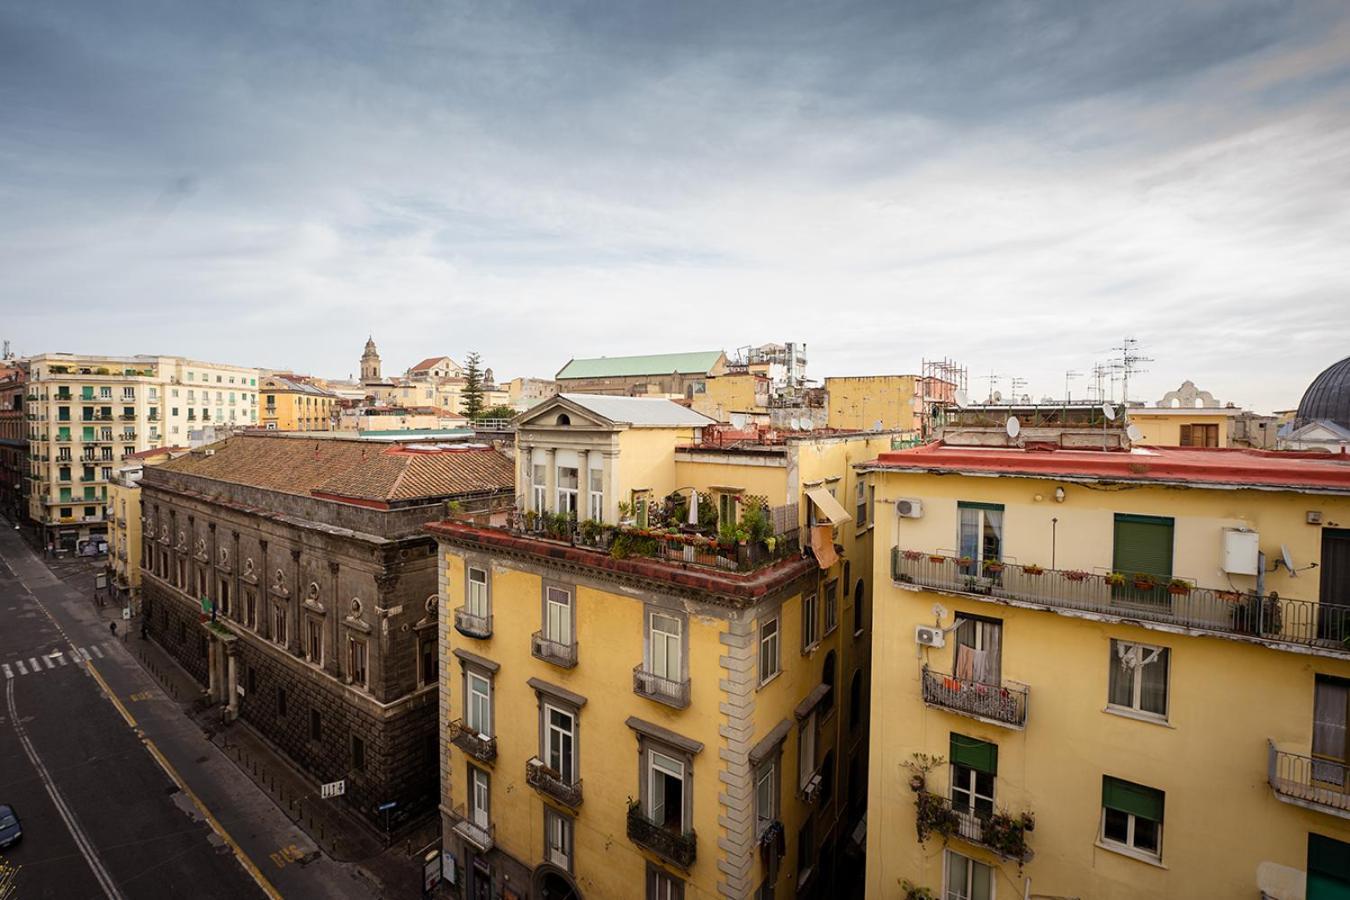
x: 1143, y: 544
x: 1126, y: 796
x: 993, y: 507
x: 88, y: 434
x: 981, y: 756
x: 1328, y: 857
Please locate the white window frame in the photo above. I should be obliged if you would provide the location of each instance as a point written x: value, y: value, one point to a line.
x: 770, y: 647
x: 659, y: 763
x: 558, y: 616
x: 860, y: 504
x: 831, y: 603
x: 480, y: 798
x: 568, y: 735
x: 313, y: 629
x: 1128, y: 847
x: 596, y: 494
x: 355, y: 647
x: 971, y: 787
x: 949, y: 891
x: 806, y: 750
x: 476, y: 597
x: 766, y: 796
x: 478, y: 703
x: 568, y: 500
x: 665, y: 648
x: 539, y: 485
x: 558, y: 839
x: 810, y: 619
x: 1142, y: 655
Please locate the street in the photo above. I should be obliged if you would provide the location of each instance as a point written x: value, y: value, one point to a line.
x: 120, y: 793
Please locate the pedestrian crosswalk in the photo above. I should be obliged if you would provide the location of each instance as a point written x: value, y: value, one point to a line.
x: 34, y: 665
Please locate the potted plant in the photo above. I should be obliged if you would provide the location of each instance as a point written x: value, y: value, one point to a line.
x: 919, y: 766
x: 964, y: 561
x: 1075, y: 575
x: 1142, y: 581
x: 937, y: 558
x: 912, y: 555
x: 1033, y: 570
x: 912, y: 891
x: 1115, y: 579
x: 934, y: 815
x: 1178, y: 588
x: 1230, y: 596
x: 993, y: 567
x: 1028, y: 821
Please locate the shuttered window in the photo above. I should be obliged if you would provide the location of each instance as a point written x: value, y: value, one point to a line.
x: 1328, y: 869
x: 973, y: 753
x: 1143, y: 544
x: 1128, y: 797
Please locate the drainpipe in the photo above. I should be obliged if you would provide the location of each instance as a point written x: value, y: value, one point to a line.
x: 1054, y: 539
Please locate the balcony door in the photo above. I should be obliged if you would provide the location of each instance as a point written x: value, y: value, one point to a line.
x: 1143, y: 547
x: 478, y: 814
x: 665, y: 644
x: 561, y: 741
x: 1333, y: 619
x: 979, y: 651
x: 667, y: 792
x: 981, y: 535
x: 1330, y: 747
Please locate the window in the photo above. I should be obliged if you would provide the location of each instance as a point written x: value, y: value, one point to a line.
x: 315, y: 725
x: 1138, y: 677
x: 974, y: 766
x: 560, y: 742
x: 768, y: 649
x: 980, y: 534
x: 806, y: 750
x: 766, y: 796
x: 967, y: 879
x: 358, y: 754
x: 978, y: 654
x: 810, y: 620
x: 279, y: 624
x: 831, y: 605
x: 567, y: 490
x: 665, y: 791
x: 664, y: 656
x: 859, y: 613
x: 827, y: 679
x: 1143, y: 544
x: 1132, y: 816
x: 1330, y: 749
x: 476, y: 597
x: 1200, y: 435
x: 726, y: 509
x: 596, y: 507
x: 281, y: 702
x: 224, y: 597
x: 860, y: 504
x: 1328, y: 868
x: 661, y: 885
x: 540, y: 487
x: 250, y: 608
x: 478, y: 703
x: 356, y: 661
x: 558, y: 833
x: 558, y: 615
x: 314, y: 641
x: 428, y: 659
x: 479, y: 797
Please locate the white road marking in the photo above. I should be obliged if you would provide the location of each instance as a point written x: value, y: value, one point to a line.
x: 97, y: 652
x: 48, y: 661
x: 82, y: 841
x: 60, y: 658
x: 83, y: 653
x: 9, y: 673
x: 22, y: 670
x: 33, y: 664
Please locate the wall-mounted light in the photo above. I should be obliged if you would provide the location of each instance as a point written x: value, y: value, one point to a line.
x: 1059, y: 495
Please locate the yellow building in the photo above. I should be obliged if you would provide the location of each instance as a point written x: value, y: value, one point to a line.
x: 1110, y: 674
x: 874, y: 401
x: 124, y: 521
x: 726, y: 395
x: 290, y: 404
x: 631, y: 709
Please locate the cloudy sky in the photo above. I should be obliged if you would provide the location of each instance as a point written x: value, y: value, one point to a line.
x: 1016, y: 185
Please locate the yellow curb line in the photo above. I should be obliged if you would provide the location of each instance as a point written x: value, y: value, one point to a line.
x: 258, y: 877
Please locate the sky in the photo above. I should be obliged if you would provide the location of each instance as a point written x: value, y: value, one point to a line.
x: 1018, y: 186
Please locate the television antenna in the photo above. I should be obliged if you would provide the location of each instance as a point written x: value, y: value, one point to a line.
x: 1069, y: 376
x: 1018, y: 387
x: 992, y: 378
x: 1130, y: 358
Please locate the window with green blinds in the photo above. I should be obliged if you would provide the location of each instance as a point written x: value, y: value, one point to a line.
x: 1128, y: 797
x: 981, y: 756
x: 1143, y: 544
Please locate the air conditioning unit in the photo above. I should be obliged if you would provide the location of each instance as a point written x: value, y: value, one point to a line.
x: 909, y: 509
x: 928, y: 636
x: 812, y: 789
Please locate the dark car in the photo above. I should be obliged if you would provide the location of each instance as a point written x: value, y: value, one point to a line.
x: 10, y: 830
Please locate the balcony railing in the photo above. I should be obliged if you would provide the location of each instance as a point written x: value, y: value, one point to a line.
x: 1003, y: 833
x: 556, y: 652
x: 477, y: 745
x: 1001, y: 704
x: 1123, y: 596
x: 663, y: 690
x: 680, y: 848
x: 481, y: 837
x: 551, y: 782
x: 1312, y: 783
x: 470, y: 625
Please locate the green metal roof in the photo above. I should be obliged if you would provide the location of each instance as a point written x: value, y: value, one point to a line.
x: 658, y: 364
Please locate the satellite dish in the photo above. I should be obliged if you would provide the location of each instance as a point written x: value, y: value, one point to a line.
x: 1014, y: 427
x: 1109, y: 411
x: 1132, y: 431
x: 961, y: 399
x: 997, y: 397
x: 877, y: 426
x: 1288, y: 561
x: 806, y: 425
x: 794, y: 425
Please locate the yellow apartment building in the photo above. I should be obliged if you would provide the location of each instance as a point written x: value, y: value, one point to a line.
x: 634, y: 705
x: 1110, y: 674
x: 289, y: 404
x: 725, y: 395
x: 892, y: 402
x: 124, y: 520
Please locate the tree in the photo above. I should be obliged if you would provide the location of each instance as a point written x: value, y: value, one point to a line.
x: 471, y: 398
x: 501, y: 411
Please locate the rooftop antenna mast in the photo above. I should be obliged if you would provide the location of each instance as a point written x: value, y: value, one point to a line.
x: 992, y: 378
x: 1130, y: 358
x: 1069, y: 376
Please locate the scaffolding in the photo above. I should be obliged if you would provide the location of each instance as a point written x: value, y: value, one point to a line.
x: 940, y: 381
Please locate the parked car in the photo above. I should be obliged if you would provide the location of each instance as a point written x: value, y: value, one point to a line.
x: 10, y: 830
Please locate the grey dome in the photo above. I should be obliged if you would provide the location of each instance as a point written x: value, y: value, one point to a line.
x: 1328, y: 397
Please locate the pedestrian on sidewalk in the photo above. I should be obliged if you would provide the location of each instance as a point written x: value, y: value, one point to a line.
x: 112, y: 628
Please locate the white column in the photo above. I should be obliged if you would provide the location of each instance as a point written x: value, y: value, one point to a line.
x: 213, y: 680
x: 232, y: 685
x: 595, y: 459
x: 550, y: 481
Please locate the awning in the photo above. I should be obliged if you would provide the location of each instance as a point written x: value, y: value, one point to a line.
x: 828, y: 507
x: 822, y: 545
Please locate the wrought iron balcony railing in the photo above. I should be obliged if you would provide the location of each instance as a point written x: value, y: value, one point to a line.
x: 551, y: 782
x: 680, y: 848
x: 470, y: 625
x: 1001, y: 704
x: 1309, y: 782
x: 556, y: 652
x: 1001, y: 832
x: 1176, y: 602
x: 663, y: 690
x: 482, y: 837
x: 479, y: 746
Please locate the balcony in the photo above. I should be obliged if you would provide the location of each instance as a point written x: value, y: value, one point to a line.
x: 663, y: 690
x: 479, y: 746
x: 1268, y: 619
x: 998, y: 704
x: 128, y: 435
x: 126, y: 418
x: 1316, y: 784
x: 1000, y: 832
x: 550, y: 782
x: 550, y: 651
x: 479, y: 836
x: 470, y: 625
x: 680, y: 848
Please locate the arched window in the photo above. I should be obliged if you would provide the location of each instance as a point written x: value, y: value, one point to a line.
x: 563, y: 419
x: 855, y: 701
x: 827, y: 677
